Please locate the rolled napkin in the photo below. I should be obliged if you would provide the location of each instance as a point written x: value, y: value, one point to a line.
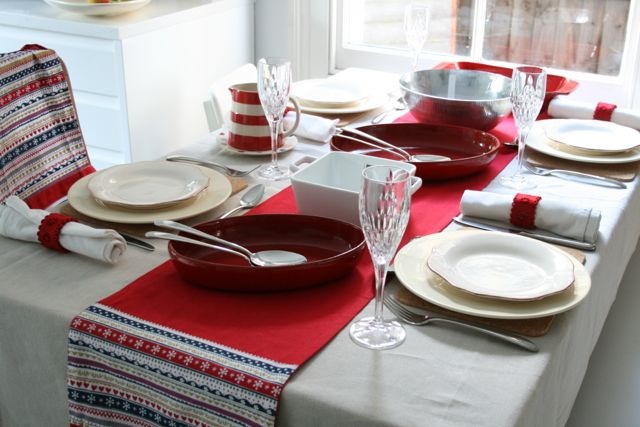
x: 19, y: 222
x: 311, y: 127
x: 556, y: 215
x: 565, y: 108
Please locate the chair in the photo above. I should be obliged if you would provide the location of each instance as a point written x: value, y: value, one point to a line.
x: 218, y: 106
x: 42, y: 151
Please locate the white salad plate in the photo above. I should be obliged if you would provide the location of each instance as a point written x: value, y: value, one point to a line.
x: 413, y: 272
x: 539, y: 141
x: 327, y: 93
x: 98, y: 9
x: 593, y: 136
x: 216, y: 193
x: 504, y: 266
x: 147, y: 185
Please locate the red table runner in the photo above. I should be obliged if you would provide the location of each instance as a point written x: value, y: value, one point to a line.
x: 163, y: 352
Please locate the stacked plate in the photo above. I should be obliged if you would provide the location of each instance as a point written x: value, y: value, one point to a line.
x: 332, y: 96
x: 589, y: 141
x: 144, y: 191
x: 492, y: 275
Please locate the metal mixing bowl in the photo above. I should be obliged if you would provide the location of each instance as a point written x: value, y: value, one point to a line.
x: 475, y: 99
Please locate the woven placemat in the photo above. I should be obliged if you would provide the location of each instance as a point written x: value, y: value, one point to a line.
x: 620, y: 171
x: 529, y: 327
x: 237, y: 184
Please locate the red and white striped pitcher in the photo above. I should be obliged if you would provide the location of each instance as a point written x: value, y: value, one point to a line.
x: 249, y: 129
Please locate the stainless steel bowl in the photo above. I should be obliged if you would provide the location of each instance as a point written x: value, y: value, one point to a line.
x: 475, y: 99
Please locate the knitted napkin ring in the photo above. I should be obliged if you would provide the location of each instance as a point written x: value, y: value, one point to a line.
x: 50, y: 228
x: 523, y: 210
x: 604, y: 111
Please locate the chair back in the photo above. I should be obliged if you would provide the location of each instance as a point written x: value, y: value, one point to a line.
x: 218, y: 106
x: 42, y: 151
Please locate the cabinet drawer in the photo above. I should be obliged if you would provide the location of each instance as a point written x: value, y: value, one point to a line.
x: 92, y: 62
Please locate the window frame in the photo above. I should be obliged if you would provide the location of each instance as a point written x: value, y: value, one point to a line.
x: 315, y: 28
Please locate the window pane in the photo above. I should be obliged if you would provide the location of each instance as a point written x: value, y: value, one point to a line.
x: 579, y: 35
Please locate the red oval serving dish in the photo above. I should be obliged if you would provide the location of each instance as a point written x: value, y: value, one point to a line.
x: 332, y: 249
x: 470, y: 150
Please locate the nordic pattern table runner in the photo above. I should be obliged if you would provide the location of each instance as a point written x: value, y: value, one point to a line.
x: 163, y: 352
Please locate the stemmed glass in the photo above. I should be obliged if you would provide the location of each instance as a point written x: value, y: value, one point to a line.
x: 383, y: 206
x: 416, y: 28
x: 274, y: 84
x: 528, y: 86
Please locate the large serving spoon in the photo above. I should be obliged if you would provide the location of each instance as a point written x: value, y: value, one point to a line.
x: 260, y: 258
x: 390, y: 148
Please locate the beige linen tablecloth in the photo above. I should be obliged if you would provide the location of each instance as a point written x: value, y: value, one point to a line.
x: 439, y: 377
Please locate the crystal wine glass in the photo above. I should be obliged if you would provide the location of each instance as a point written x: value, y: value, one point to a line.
x: 274, y: 84
x: 528, y: 86
x: 416, y: 28
x: 383, y: 206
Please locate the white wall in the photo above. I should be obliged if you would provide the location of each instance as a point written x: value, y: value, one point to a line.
x: 272, y: 28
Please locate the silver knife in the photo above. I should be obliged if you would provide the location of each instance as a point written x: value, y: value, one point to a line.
x: 134, y: 241
x: 585, y: 246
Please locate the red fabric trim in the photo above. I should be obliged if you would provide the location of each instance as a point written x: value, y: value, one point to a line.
x: 523, y: 210
x: 604, y: 111
x: 57, y: 190
x: 245, y: 119
x: 50, y: 228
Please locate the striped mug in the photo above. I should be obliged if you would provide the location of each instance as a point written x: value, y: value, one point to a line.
x: 249, y: 128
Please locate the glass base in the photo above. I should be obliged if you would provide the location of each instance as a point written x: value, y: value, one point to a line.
x: 378, y: 336
x: 517, y: 182
x: 273, y: 173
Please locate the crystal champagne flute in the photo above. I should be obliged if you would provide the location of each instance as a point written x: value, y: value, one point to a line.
x: 383, y: 206
x: 528, y: 86
x: 416, y: 28
x: 274, y: 84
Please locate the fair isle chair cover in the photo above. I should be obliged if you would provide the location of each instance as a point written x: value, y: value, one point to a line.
x: 42, y: 151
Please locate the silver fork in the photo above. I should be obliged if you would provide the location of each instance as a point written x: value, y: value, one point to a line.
x: 416, y: 319
x: 222, y: 168
x: 582, y: 177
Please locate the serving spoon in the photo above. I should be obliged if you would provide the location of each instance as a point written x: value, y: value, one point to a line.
x: 248, y: 200
x: 390, y: 148
x: 260, y: 258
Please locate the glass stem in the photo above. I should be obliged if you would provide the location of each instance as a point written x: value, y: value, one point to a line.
x: 274, y: 127
x: 380, y: 270
x: 522, y: 138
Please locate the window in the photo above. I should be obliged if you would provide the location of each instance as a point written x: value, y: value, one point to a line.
x: 596, y: 42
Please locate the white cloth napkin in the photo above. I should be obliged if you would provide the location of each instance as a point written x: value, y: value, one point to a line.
x: 18, y: 221
x: 563, y: 107
x: 311, y: 127
x: 560, y: 216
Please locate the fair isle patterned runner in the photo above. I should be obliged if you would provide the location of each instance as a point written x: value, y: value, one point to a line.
x: 125, y: 371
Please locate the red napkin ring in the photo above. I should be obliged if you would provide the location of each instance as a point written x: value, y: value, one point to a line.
x: 50, y: 228
x: 523, y: 210
x: 604, y: 111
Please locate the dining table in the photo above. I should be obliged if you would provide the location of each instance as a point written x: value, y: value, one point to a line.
x: 440, y: 376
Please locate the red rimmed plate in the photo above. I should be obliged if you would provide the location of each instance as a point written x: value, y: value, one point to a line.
x: 556, y: 85
x: 470, y: 150
x: 332, y: 249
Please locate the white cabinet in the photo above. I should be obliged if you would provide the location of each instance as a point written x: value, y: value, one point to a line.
x: 139, y: 79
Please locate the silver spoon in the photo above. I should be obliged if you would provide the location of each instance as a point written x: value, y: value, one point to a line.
x: 399, y: 105
x: 390, y: 148
x: 260, y: 258
x: 248, y: 200
x: 222, y: 168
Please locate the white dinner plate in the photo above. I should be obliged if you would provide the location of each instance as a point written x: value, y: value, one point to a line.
x: 539, y: 141
x: 504, y: 266
x: 328, y: 93
x: 374, y: 101
x: 147, y: 185
x: 593, y: 136
x: 412, y: 270
x: 105, y: 9
x: 216, y: 193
